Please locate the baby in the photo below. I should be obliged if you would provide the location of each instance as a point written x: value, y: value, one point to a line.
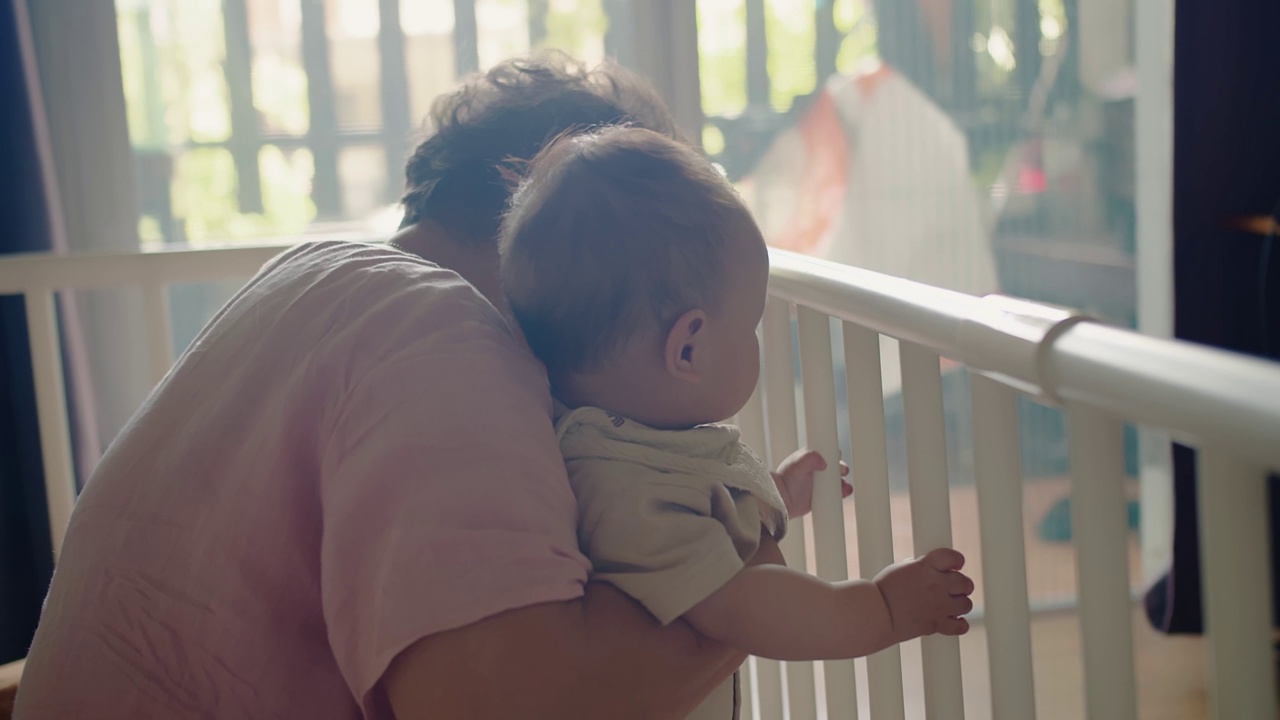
x: 638, y: 277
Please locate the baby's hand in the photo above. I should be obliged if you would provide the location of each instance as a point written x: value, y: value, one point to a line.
x: 927, y: 595
x: 795, y: 480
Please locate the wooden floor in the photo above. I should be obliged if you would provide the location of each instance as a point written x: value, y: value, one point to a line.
x: 1170, y: 671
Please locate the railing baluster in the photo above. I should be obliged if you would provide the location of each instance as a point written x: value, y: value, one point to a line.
x: 750, y: 421
x: 159, y: 329
x: 769, y: 688
x: 869, y: 473
x: 818, y: 375
x: 768, y: 673
x: 1100, y: 529
x: 51, y: 407
x: 997, y: 465
x: 930, y: 513
x: 745, y: 694
x: 780, y: 399
x: 1236, y: 577
x: 780, y: 402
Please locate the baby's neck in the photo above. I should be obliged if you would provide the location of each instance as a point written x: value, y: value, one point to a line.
x: 637, y: 395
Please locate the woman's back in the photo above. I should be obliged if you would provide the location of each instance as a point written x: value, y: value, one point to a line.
x: 227, y: 555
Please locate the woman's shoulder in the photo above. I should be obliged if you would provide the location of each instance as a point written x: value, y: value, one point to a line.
x: 354, y: 307
x: 374, y: 279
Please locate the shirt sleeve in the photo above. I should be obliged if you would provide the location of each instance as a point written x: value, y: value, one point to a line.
x: 664, y: 544
x: 444, y: 498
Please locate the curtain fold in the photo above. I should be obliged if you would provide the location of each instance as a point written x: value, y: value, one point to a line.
x: 31, y: 210
x: 26, y: 556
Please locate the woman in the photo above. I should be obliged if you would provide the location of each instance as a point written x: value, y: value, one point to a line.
x: 346, y: 499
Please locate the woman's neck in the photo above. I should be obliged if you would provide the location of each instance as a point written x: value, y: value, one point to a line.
x: 475, y: 261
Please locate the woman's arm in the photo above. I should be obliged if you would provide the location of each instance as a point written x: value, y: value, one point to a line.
x: 602, y: 655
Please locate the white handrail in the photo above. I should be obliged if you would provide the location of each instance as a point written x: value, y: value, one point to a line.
x: 1200, y: 394
x: 1224, y: 404
x: 27, y: 272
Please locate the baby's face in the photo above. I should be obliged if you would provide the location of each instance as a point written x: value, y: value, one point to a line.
x: 733, y: 325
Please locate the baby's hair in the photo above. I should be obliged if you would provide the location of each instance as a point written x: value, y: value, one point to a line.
x: 613, y: 232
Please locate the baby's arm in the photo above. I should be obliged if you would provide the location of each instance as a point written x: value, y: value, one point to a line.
x: 780, y: 613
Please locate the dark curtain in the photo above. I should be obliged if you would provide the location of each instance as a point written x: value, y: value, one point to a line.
x: 26, y: 558
x: 1226, y: 166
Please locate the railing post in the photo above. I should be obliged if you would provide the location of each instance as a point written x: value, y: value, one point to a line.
x: 1100, y: 529
x: 930, y: 513
x: 869, y: 473
x: 159, y: 329
x: 997, y: 465
x: 1236, y: 577
x: 830, y: 550
x: 780, y: 406
x: 51, y: 407
x: 767, y: 672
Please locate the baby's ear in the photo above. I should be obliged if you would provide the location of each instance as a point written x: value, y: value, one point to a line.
x: 686, y: 347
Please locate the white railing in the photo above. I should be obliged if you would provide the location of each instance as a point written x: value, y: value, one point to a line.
x: 39, y: 276
x: 1225, y: 405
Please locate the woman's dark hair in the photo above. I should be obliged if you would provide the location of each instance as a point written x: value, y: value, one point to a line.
x: 458, y: 176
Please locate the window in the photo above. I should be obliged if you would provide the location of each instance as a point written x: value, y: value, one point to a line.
x: 981, y: 145
x: 253, y: 118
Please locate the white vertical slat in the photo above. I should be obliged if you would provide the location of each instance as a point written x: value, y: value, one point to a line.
x: 51, y: 406
x: 768, y: 689
x: 1100, y: 529
x: 746, y: 691
x: 767, y: 673
x: 997, y: 465
x: 159, y: 329
x: 1236, y: 577
x: 818, y: 375
x: 930, y: 513
x: 869, y: 473
x: 780, y: 404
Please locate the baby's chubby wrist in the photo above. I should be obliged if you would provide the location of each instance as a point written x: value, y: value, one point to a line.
x: 889, y: 620
x: 867, y: 619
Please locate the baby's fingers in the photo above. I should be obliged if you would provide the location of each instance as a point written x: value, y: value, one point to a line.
x: 953, y: 626
x: 944, y: 559
x: 845, y: 488
x: 804, y: 461
x: 960, y: 605
x: 959, y: 584
x: 844, y: 469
